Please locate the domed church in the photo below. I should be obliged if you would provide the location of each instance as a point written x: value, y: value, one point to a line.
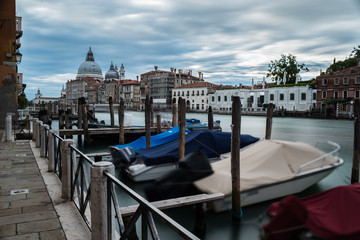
x: 89, y: 68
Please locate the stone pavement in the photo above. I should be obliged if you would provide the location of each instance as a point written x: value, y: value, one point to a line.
x: 30, y: 202
x: 26, y: 210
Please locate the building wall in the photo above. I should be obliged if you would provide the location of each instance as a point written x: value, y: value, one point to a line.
x: 8, y: 67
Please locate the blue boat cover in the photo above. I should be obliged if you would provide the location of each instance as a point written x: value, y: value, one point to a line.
x: 211, y: 143
x: 156, y: 140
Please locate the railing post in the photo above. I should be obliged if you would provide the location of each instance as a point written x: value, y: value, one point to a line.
x: 38, y: 138
x: 34, y: 129
x: 98, y: 198
x: 43, y: 140
x: 8, y: 124
x: 51, y: 149
x: 66, y: 168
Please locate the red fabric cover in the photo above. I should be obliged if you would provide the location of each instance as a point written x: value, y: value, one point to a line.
x: 332, y: 214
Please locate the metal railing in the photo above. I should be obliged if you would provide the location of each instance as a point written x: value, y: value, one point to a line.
x: 145, y: 210
x: 75, y: 170
x: 80, y: 181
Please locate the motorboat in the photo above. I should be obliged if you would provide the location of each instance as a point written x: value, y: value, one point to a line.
x: 269, y: 169
x: 156, y: 140
x: 151, y: 163
x: 195, y: 124
x: 332, y: 214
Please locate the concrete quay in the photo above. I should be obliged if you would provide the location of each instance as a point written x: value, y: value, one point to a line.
x: 30, y: 202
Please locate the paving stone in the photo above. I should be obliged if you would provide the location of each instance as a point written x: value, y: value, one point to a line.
x: 32, y: 236
x: 30, y: 209
x: 7, y: 230
x: 28, y: 217
x: 9, y: 211
x: 38, y: 226
x: 53, y: 235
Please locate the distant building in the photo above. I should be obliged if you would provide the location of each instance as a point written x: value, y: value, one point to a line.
x: 195, y: 95
x: 159, y: 83
x: 131, y: 94
x: 39, y: 99
x: 336, y: 91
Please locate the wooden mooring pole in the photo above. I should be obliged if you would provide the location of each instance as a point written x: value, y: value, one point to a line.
x: 174, y: 118
x: 111, y: 105
x: 235, y: 158
x: 147, y: 122
x: 158, y: 124
x: 356, y: 155
x: 210, y: 118
x: 269, y: 115
x: 121, y: 122
x: 182, y: 125
x: 79, y: 119
x: 151, y: 112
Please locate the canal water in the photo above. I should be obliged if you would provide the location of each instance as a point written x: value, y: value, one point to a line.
x: 220, y: 225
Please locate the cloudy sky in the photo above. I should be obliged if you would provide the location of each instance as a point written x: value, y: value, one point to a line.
x: 231, y: 41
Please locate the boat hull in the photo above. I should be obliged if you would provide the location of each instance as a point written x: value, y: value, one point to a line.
x: 276, y: 190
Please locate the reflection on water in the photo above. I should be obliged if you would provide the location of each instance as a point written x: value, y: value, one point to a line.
x: 220, y: 225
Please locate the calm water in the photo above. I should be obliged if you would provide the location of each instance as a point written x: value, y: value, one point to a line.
x: 220, y: 225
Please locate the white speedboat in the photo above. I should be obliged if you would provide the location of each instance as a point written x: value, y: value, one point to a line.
x: 271, y: 169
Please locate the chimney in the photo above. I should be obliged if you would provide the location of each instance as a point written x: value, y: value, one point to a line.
x: 200, y: 76
x: 156, y: 68
x: 137, y: 78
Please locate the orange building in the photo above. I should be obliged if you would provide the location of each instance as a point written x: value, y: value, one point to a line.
x: 10, y: 79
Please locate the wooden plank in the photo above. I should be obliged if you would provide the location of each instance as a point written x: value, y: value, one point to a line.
x: 175, y: 202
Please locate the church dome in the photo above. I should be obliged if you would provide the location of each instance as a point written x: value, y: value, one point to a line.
x: 89, y: 68
x: 112, y: 73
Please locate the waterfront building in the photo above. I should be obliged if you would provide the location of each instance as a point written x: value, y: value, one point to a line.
x: 291, y: 98
x: 195, y: 95
x: 131, y: 94
x: 336, y: 91
x: 11, y: 84
x: 159, y: 83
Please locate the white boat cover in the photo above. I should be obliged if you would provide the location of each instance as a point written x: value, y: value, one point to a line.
x: 262, y: 163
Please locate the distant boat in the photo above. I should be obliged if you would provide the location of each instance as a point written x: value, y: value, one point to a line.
x: 269, y: 169
x: 195, y: 124
x: 151, y: 163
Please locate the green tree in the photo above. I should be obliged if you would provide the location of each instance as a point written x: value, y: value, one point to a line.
x: 286, y: 65
x: 22, y: 101
x: 348, y: 62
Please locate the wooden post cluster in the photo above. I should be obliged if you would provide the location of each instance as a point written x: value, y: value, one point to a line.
x: 111, y: 105
x: 356, y: 155
x: 235, y: 157
x: 210, y: 119
x: 182, y: 126
x: 269, y: 115
x: 121, y: 122
x: 147, y: 122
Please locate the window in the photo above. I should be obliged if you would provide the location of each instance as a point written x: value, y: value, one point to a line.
x: 314, y: 96
x: 345, y: 94
x: 179, y: 93
x: 213, y: 99
x: 292, y: 96
x: 323, y: 95
x: 336, y: 81
x: 202, y: 92
x: 193, y: 93
x: 225, y: 98
x: 197, y: 93
x: 303, y: 96
x: 345, y: 81
x: 357, y: 94
x: 357, y: 80
x: 281, y: 96
x: 187, y: 93
x: 202, y: 106
x: 182, y: 93
x: 219, y: 98
x: 174, y: 93
x: 271, y: 97
x: 336, y: 94
x: 324, y: 82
